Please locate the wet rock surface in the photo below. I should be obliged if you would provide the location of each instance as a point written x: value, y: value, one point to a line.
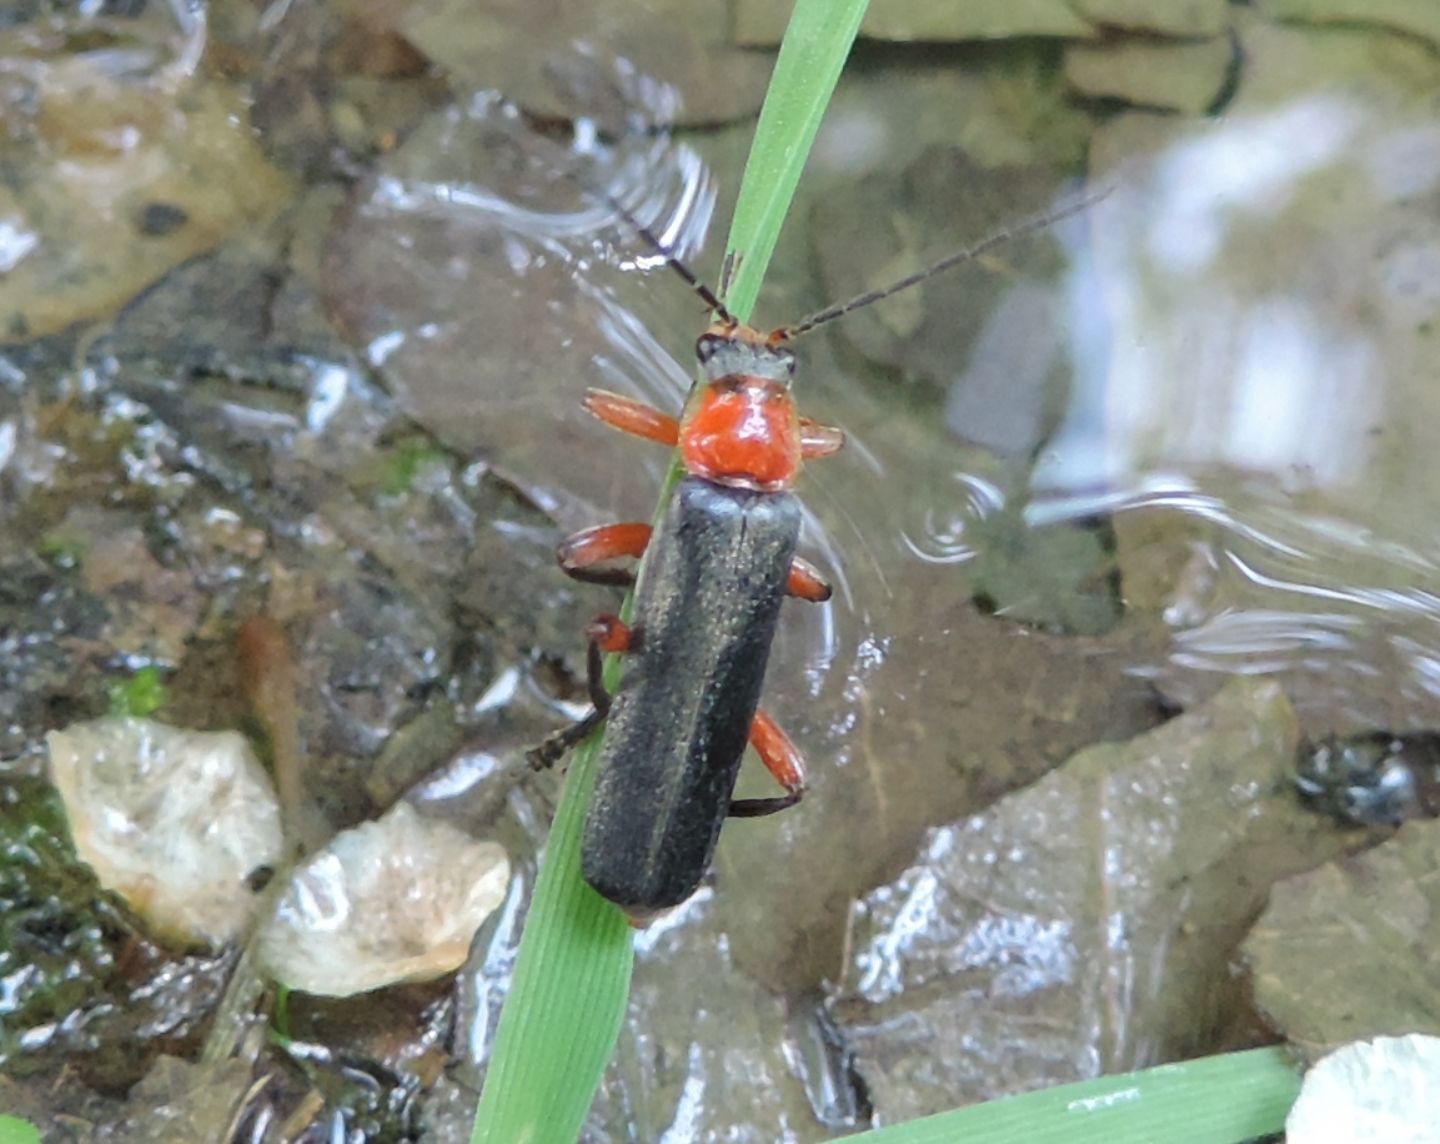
x: 791, y: 1085
x: 88, y: 990
x: 930, y: 21
x: 923, y: 332
x: 1166, y: 17
x: 1186, y: 76
x: 887, y: 779
x: 1346, y: 951
x: 472, y: 311
x: 1080, y: 926
x: 1373, y: 779
x: 1412, y: 16
x: 349, y: 295
x: 759, y: 23
x: 112, y: 185
x: 528, y: 51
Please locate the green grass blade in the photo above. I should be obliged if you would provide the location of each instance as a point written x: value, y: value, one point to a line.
x: 572, y: 973
x: 567, y: 996
x: 816, y: 45
x: 1217, y: 1100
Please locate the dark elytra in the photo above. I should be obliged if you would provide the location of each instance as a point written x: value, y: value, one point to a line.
x: 706, y: 609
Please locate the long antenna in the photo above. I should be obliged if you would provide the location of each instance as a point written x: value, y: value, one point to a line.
x: 1005, y: 234
x: 652, y: 240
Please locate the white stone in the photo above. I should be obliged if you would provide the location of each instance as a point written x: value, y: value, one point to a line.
x: 1386, y: 1090
x: 398, y: 899
x: 173, y: 820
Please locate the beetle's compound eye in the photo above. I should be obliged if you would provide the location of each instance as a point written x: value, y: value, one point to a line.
x: 788, y: 357
x: 706, y: 346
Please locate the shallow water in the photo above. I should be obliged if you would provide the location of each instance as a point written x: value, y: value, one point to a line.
x: 300, y: 327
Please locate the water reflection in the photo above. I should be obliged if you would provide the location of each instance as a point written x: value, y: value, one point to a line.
x: 511, y: 282
x: 944, y: 534
x: 1265, y: 377
x: 1250, y: 166
x: 664, y: 185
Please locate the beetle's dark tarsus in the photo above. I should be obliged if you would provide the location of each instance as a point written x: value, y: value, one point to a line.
x: 760, y: 807
x: 554, y: 747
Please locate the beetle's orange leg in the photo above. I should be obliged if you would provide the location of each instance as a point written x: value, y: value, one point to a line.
x: 782, y: 759
x: 590, y: 546
x: 818, y: 440
x: 806, y: 583
x: 631, y: 416
x: 610, y: 634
